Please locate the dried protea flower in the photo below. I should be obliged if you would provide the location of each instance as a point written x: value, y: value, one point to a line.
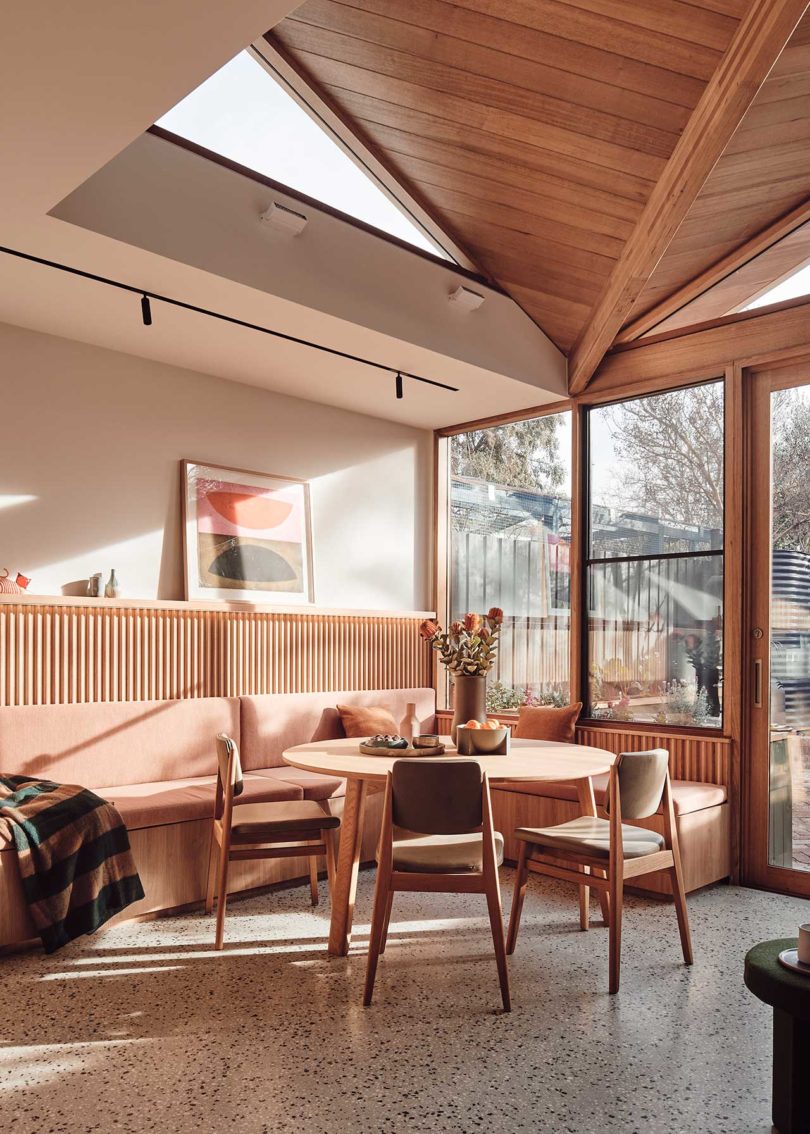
x: 495, y: 615
x: 429, y: 629
x: 457, y: 627
x: 472, y: 622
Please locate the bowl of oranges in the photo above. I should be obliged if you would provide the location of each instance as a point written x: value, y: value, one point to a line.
x: 481, y: 738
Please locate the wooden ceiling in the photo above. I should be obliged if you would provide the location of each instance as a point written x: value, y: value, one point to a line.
x: 535, y: 131
x: 764, y: 173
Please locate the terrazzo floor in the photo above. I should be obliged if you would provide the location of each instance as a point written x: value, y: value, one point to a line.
x: 145, y: 1028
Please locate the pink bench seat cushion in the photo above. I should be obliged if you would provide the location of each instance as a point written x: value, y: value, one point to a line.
x: 687, y: 795
x: 313, y: 784
x: 178, y: 801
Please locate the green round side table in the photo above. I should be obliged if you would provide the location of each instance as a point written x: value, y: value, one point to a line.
x: 788, y: 993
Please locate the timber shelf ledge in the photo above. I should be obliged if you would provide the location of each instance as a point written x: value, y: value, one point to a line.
x: 301, y: 610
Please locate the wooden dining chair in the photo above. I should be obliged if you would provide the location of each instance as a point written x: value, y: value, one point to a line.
x: 584, y: 849
x: 437, y: 837
x: 300, y: 828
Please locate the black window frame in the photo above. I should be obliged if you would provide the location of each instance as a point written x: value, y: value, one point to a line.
x: 587, y: 561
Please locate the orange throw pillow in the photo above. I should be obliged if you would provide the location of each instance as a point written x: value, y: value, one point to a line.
x: 546, y: 723
x: 362, y: 721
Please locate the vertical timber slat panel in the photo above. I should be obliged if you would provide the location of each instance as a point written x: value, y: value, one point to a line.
x: 702, y: 759
x: 52, y: 654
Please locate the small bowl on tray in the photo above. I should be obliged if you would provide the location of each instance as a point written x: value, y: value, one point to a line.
x: 398, y: 746
x: 427, y: 740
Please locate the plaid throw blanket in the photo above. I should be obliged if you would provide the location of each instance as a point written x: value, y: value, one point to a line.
x: 73, y: 849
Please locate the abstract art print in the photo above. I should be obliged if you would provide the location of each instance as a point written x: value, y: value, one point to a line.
x: 247, y: 535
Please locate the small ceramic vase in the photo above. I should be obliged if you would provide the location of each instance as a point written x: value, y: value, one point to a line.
x: 112, y: 590
x: 410, y: 725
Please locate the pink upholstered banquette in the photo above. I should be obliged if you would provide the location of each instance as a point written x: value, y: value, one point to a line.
x: 156, y: 761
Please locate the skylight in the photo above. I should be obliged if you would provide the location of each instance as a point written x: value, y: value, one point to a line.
x: 795, y: 286
x: 245, y: 115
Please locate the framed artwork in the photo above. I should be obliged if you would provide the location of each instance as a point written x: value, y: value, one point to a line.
x: 246, y: 535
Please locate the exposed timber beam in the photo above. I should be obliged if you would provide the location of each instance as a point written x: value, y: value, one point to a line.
x: 760, y: 37
x: 738, y: 258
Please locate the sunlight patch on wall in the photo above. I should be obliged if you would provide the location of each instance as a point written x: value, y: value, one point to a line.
x: 9, y: 500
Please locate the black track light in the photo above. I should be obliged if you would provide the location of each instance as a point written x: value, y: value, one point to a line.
x: 146, y: 313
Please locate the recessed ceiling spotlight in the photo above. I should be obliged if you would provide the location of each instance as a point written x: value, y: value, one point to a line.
x: 284, y: 219
x: 465, y: 299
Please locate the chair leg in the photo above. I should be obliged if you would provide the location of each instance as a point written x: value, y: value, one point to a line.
x: 604, y: 899
x: 313, y: 879
x: 329, y: 838
x: 212, y: 875
x: 222, y: 895
x: 585, y: 904
x: 615, y: 927
x: 679, y: 895
x: 387, y: 922
x: 381, y: 898
x: 521, y: 881
x: 496, y: 922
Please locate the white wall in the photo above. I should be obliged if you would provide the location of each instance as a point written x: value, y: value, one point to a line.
x: 90, y: 441
x: 158, y: 196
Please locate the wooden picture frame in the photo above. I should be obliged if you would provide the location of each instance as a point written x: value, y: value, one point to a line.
x: 247, y: 535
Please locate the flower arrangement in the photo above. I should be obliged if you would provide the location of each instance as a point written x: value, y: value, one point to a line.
x: 469, y: 648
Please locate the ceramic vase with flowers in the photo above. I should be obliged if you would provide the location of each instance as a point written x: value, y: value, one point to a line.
x: 469, y: 649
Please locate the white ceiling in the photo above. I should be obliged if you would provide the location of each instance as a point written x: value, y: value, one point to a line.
x: 82, y: 90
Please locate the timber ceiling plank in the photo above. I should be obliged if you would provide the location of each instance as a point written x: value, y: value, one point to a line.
x: 533, y: 131
x: 497, y: 60
x: 458, y: 142
x: 490, y: 26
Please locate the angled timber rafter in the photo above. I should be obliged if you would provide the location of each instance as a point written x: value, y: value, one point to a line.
x: 762, y: 34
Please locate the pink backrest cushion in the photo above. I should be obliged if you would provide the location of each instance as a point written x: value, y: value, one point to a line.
x: 277, y: 721
x: 111, y: 743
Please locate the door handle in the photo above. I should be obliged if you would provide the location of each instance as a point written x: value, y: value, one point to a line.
x: 758, y: 683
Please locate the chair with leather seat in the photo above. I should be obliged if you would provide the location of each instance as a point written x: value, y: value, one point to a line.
x: 302, y: 828
x: 437, y: 837
x: 583, y: 850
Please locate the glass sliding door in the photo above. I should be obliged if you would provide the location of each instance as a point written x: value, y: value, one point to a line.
x: 779, y: 687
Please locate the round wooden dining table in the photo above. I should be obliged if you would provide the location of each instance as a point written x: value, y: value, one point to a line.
x: 538, y: 760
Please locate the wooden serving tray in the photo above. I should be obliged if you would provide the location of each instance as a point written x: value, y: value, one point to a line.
x: 370, y: 750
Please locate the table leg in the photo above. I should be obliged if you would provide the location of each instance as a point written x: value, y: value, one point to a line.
x: 587, y: 804
x: 348, y: 865
x: 791, y: 1086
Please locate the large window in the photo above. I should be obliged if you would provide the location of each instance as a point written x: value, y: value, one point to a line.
x: 245, y: 115
x: 510, y: 534
x: 654, y: 570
